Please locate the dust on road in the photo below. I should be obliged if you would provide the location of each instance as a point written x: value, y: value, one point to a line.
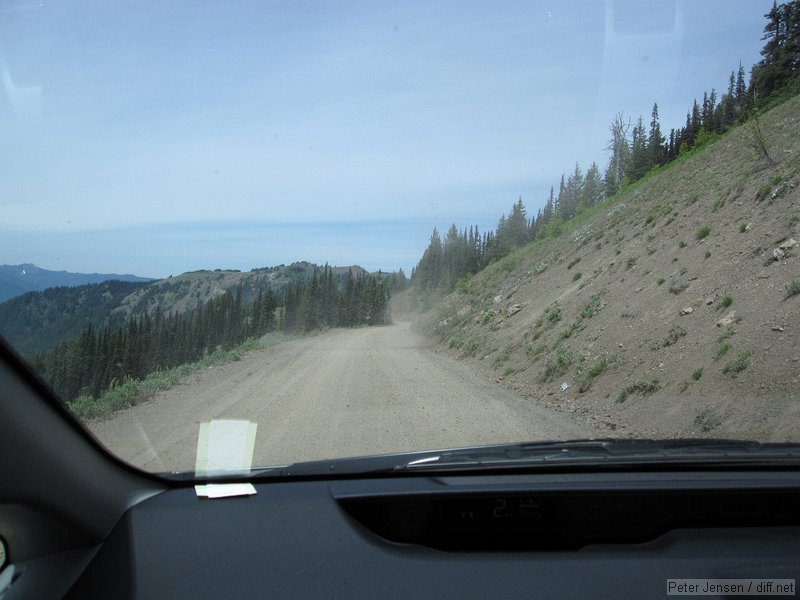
x: 347, y: 392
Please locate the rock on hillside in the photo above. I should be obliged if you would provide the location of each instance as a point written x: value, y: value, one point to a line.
x: 672, y: 309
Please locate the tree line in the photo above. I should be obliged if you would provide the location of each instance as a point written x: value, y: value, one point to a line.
x: 97, y: 360
x: 634, y: 151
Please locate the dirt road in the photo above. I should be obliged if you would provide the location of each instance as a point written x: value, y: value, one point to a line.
x: 342, y: 393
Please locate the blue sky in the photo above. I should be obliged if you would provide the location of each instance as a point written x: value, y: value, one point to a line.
x: 184, y: 135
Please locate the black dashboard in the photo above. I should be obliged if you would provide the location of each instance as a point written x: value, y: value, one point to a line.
x: 513, y: 536
x: 78, y: 523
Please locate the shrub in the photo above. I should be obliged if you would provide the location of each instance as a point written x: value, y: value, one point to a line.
x: 631, y: 262
x: 763, y: 192
x: 464, y: 284
x: 722, y: 350
x: 572, y: 328
x: 573, y: 263
x: 708, y: 254
x: 592, y: 308
x: 553, y: 313
x: 703, y: 232
x: 792, y: 289
x: 698, y: 373
x: 724, y: 302
x: 682, y: 244
x: 536, y: 353
x: 559, y: 365
x: 676, y: 287
x: 577, y: 276
x: 584, y: 378
x: 641, y: 387
x: 675, y: 333
x: 659, y: 281
x: 471, y: 346
x: 707, y: 420
x: 501, y: 358
x: 742, y: 227
x: 735, y: 367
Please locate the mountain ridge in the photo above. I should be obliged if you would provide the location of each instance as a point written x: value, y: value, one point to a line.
x: 38, y: 321
x: 16, y: 280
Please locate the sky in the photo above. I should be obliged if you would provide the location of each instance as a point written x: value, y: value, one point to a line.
x: 163, y: 137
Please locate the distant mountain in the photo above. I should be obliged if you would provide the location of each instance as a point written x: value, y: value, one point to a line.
x: 15, y: 280
x: 38, y: 321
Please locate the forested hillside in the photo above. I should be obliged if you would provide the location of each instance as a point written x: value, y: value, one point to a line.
x: 100, y: 358
x: 635, y: 149
x: 37, y: 321
x: 669, y: 308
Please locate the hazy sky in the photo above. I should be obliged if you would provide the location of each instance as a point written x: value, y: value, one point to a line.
x: 155, y: 138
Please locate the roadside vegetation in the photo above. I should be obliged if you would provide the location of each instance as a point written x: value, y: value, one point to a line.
x: 129, y: 392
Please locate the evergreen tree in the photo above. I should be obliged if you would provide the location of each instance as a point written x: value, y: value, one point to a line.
x: 640, y: 156
x: 592, y: 187
x: 655, y: 141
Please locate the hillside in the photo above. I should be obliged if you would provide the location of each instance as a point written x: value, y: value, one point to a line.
x: 16, y: 280
x: 193, y: 289
x: 671, y: 309
x: 38, y: 321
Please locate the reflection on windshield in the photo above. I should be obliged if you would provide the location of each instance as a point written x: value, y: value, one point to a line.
x: 377, y: 229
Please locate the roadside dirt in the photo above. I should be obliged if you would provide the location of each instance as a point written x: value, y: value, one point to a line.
x: 342, y: 393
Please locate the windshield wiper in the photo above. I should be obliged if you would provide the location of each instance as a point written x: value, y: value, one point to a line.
x: 604, y: 453
x: 611, y: 452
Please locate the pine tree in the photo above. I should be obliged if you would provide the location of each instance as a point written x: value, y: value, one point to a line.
x: 640, y: 162
x: 655, y: 141
x: 592, y: 187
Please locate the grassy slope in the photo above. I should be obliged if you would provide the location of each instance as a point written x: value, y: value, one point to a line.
x: 616, y: 335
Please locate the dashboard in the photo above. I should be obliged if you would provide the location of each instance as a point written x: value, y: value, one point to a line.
x: 77, y: 523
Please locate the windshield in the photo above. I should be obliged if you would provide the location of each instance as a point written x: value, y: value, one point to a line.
x: 246, y: 234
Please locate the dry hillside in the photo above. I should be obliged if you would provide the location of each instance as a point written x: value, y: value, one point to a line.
x: 672, y: 309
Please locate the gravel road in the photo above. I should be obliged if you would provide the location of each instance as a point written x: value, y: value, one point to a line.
x: 346, y: 392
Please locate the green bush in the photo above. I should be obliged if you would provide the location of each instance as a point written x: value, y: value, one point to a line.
x: 735, y: 367
x: 703, y: 232
x: 553, y: 313
x: 724, y: 302
x: 641, y: 387
x: 722, y: 350
x: 558, y: 365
